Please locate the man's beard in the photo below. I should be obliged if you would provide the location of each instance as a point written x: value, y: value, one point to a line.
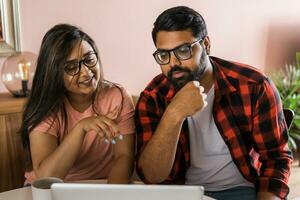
x: 181, y: 81
x: 188, y: 74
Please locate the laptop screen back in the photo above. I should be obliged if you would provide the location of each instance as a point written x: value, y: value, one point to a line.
x: 80, y: 191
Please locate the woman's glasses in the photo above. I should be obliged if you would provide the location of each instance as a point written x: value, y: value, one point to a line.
x: 73, y: 67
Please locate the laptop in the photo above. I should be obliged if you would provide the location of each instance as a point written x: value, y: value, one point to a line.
x: 83, y: 191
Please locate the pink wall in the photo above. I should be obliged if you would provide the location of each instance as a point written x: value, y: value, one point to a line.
x: 255, y: 32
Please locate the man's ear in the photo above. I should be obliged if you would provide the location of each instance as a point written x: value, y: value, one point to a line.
x: 206, y: 42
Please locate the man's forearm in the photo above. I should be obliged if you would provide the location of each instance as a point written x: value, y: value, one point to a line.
x: 157, y: 158
x: 267, y: 196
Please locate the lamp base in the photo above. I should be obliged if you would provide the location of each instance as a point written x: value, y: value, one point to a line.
x: 20, y: 93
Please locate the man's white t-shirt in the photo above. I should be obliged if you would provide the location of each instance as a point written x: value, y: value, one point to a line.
x: 211, y: 163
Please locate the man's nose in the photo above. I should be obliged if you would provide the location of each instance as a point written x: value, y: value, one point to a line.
x: 174, y: 61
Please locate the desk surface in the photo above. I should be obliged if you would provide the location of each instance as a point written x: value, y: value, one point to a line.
x: 25, y: 194
x: 17, y: 194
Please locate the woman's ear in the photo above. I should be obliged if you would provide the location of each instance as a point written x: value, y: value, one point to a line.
x: 206, y: 42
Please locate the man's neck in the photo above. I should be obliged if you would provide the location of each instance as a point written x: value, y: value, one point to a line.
x: 207, y: 79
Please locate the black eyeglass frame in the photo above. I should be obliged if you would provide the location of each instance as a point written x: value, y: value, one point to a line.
x: 83, y: 61
x: 189, y: 45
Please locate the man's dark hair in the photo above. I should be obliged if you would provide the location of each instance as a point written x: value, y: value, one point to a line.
x: 180, y: 18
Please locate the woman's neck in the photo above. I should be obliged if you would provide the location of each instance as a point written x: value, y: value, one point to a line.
x: 80, y: 102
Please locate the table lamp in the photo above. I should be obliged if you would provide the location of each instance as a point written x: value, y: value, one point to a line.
x: 17, y: 73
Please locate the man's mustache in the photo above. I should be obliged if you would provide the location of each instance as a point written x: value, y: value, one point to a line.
x: 178, y: 69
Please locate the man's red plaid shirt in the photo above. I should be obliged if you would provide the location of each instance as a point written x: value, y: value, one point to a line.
x: 248, y: 113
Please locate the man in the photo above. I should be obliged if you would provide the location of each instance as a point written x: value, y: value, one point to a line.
x: 207, y: 121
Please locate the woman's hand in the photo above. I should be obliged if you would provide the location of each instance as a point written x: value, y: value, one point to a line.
x: 104, y: 125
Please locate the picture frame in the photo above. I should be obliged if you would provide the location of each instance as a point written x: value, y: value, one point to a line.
x: 9, y: 27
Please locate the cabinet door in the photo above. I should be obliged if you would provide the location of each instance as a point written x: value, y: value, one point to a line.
x: 12, y: 159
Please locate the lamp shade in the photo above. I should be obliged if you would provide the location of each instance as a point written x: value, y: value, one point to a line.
x: 17, y: 73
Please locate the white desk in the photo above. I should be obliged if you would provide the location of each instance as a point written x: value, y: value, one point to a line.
x: 17, y: 194
x: 25, y: 194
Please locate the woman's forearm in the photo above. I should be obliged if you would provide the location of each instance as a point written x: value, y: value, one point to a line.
x: 58, y: 162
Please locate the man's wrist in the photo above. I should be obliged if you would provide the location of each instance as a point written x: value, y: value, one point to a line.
x: 174, y: 114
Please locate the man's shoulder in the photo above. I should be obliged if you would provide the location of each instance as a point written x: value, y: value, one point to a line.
x: 159, y: 84
x: 159, y: 89
x: 240, y: 71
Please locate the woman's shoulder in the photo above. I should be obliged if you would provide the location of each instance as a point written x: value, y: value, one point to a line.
x: 111, y: 95
x: 112, y: 90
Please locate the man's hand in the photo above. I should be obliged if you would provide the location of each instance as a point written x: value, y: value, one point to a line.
x: 189, y: 99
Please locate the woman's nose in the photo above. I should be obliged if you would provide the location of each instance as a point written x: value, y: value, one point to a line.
x: 84, y: 70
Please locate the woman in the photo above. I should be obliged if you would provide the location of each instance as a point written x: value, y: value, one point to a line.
x: 76, y: 125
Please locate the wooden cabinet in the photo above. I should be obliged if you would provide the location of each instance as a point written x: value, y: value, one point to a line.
x: 12, y: 159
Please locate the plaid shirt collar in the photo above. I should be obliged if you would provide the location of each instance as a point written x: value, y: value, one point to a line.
x: 222, y: 85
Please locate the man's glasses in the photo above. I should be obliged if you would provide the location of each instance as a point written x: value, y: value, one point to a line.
x: 72, y: 68
x: 182, y: 52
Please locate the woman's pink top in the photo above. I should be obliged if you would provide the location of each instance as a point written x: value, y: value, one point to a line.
x: 96, y: 156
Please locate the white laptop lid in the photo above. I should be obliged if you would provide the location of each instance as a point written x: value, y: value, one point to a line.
x: 81, y: 191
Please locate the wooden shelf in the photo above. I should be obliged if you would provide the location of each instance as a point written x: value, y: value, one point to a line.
x: 11, y: 151
x: 10, y: 104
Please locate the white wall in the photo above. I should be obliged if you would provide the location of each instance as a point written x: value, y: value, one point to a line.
x: 256, y: 32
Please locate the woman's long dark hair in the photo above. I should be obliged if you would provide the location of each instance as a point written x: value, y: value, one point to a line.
x: 48, y: 90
